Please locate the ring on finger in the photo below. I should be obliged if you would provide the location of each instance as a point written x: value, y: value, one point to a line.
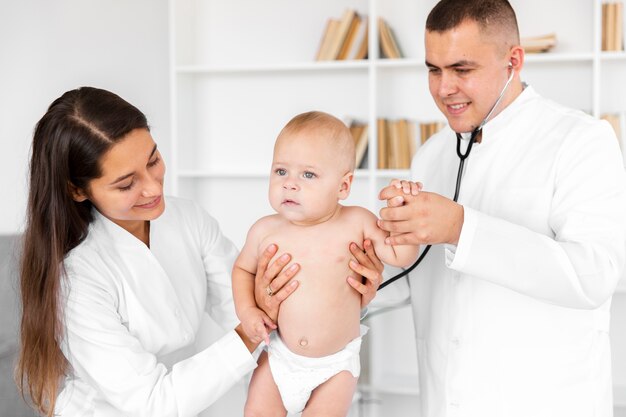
x: 269, y: 290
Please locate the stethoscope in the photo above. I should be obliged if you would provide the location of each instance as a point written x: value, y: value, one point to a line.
x: 462, y: 157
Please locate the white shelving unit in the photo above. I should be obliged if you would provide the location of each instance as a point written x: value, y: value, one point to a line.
x: 241, y: 69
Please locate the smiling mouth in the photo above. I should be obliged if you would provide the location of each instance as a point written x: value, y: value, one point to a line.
x: 150, y: 204
x: 457, y: 107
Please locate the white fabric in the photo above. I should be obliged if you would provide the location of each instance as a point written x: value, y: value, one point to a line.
x: 297, y: 376
x: 515, y: 320
x: 133, y: 312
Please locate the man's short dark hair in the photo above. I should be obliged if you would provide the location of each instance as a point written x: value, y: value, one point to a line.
x: 489, y: 14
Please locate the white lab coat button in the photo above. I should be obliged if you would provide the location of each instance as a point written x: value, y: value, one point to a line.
x: 456, y: 342
x: 177, y: 312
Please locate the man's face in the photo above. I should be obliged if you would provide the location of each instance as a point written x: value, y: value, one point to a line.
x: 467, y: 71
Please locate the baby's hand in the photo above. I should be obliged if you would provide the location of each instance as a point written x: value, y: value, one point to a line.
x: 407, y: 187
x: 255, y: 324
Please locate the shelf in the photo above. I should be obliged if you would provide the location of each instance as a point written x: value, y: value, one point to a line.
x: 400, y: 63
x: 613, y: 56
x: 392, y: 173
x: 273, y: 68
x: 378, y: 63
x: 559, y: 57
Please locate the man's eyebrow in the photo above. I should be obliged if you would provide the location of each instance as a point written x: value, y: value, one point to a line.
x: 461, y: 63
x: 123, y: 177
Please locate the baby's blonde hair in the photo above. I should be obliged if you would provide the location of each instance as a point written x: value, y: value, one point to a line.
x: 327, y: 127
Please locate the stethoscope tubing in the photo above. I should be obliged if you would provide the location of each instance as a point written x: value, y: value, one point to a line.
x: 462, y: 157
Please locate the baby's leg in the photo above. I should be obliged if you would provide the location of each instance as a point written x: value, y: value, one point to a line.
x: 263, y: 396
x: 333, y: 398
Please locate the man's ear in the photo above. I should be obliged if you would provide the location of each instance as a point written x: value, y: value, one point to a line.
x: 77, y: 193
x: 346, y: 184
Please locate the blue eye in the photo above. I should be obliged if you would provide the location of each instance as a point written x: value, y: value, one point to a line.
x: 281, y: 171
x: 309, y: 175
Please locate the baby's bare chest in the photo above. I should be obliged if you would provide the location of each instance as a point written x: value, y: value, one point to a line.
x: 324, y: 249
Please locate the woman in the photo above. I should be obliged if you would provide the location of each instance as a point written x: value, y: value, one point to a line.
x: 114, y: 281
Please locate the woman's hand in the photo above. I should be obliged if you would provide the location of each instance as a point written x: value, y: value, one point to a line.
x: 368, y: 267
x: 272, y: 284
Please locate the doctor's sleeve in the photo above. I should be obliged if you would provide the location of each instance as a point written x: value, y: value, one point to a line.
x: 103, y: 353
x: 580, y: 265
x: 218, y: 256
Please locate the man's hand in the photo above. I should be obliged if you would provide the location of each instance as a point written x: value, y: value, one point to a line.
x: 425, y: 218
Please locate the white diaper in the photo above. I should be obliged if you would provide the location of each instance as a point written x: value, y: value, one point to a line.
x: 296, y: 375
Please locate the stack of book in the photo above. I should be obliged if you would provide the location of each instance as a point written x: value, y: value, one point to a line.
x: 613, y: 26
x: 344, y: 38
x: 389, y: 47
x: 538, y: 43
x: 427, y: 129
x: 397, y: 143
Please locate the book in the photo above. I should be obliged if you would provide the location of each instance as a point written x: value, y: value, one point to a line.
x: 394, y: 143
x: 360, y: 134
x: 427, y: 129
x: 619, y: 26
x: 356, y: 44
x: 610, y: 26
x: 341, y: 33
x: 404, y: 155
x: 381, y: 125
x: 613, y: 26
x: 361, y: 45
x: 324, y: 53
x: 538, y: 44
x: 346, y: 47
x: 413, y: 139
x: 388, y: 45
x: 395, y: 47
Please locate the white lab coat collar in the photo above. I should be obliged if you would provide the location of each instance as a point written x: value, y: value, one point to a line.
x: 116, y: 233
x: 493, y: 128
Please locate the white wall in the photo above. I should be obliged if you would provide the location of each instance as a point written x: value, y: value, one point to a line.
x: 49, y: 47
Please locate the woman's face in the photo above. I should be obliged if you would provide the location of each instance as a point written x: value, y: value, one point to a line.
x: 130, y: 190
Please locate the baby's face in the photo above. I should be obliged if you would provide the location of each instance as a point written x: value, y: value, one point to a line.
x: 307, y: 178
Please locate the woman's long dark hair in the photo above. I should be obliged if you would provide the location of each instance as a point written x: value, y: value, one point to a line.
x: 68, y: 145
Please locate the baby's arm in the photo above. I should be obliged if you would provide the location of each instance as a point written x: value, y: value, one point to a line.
x: 253, y: 319
x: 398, y: 255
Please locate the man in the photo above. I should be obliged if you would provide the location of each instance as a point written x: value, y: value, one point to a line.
x: 511, y: 305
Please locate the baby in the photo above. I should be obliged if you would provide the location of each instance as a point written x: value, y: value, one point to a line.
x: 314, y: 357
